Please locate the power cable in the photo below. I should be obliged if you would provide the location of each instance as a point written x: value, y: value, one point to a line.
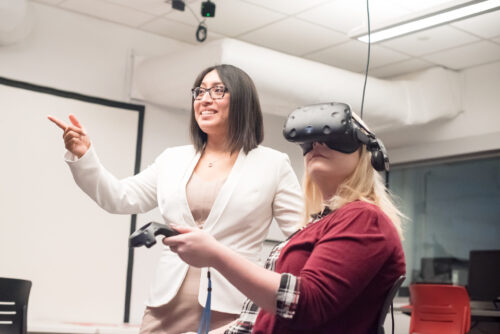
x: 367, y: 61
x: 201, y: 31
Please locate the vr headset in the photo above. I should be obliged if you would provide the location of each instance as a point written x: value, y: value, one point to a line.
x: 333, y: 124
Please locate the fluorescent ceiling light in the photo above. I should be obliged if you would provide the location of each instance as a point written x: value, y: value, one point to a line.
x: 432, y: 20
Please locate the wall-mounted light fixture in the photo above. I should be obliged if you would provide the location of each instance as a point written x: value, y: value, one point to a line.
x: 432, y: 20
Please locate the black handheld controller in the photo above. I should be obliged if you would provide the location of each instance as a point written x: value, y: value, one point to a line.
x: 146, y: 235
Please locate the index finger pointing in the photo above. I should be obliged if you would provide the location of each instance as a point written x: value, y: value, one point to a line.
x: 58, y: 122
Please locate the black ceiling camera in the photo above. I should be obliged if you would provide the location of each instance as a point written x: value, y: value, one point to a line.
x: 201, y: 32
x: 207, y: 9
x: 146, y: 235
x: 178, y: 5
x: 334, y: 125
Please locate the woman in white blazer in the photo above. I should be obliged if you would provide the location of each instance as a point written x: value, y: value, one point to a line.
x: 225, y: 183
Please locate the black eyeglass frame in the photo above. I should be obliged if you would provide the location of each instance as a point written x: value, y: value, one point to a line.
x: 209, y: 90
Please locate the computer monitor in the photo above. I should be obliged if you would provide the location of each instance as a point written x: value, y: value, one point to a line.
x: 484, y: 275
x: 442, y: 270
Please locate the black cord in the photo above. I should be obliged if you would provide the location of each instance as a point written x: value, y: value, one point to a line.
x: 196, y: 17
x: 392, y: 317
x: 367, y: 60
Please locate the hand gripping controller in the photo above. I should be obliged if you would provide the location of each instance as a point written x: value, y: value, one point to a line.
x: 145, y: 236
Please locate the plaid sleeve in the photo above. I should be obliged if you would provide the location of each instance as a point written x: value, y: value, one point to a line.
x: 245, y: 322
x: 250, y: 310
x: 288, y: 296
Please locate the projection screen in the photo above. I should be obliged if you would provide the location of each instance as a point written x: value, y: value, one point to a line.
x: 51, y: 233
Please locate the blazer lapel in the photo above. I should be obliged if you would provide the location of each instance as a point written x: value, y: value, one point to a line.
x: 226, y: 191
x: 186, y: 211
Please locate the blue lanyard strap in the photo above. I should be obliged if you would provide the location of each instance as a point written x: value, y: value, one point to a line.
x: 205, y: 317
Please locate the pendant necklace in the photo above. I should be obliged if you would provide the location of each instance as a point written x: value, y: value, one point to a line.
x: 211, y: 163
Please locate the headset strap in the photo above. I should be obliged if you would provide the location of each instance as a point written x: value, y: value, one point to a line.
x: 205, y: 317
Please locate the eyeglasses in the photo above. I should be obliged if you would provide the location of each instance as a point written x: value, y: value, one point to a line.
x: 215, y: 92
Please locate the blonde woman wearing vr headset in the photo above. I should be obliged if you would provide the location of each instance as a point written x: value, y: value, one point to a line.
x: 331, y: 276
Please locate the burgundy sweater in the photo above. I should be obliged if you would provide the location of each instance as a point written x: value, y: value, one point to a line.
x: 346, y: 263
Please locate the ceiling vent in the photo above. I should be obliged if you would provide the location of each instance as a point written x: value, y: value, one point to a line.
x: 286, y: 82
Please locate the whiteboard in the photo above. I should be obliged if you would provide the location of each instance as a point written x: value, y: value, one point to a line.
x: 51, y: 233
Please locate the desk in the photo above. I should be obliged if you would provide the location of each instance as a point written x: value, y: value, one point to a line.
x: 478, y: 312
x: 80, y: 328
x: 483, y: 311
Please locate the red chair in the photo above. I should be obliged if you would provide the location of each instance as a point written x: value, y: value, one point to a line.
x: 439, y: 309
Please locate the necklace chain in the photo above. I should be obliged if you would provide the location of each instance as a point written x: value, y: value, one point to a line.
x: 211, y: 163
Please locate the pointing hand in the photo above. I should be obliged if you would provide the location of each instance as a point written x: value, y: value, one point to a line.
x: 75, y: 138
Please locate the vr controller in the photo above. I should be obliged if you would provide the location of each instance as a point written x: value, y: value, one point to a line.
x: 146, y: 235
x: 333, y: 124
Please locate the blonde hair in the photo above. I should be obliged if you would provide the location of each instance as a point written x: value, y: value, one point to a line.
x: 364, y: 184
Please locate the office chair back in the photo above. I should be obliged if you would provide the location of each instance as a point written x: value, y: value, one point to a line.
x: 439, y: 309
x: 388, y: 303
x: 14, y: 294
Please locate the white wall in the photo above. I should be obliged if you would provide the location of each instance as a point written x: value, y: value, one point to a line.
x: 70, y: 248
x: 477, y: 128
x: 79, y: 53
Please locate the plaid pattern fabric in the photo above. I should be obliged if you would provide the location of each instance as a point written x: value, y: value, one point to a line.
x: 247, y: 318
x: 286, y: 302
x: 288, y: 296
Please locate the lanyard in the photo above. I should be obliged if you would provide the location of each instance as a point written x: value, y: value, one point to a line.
x: 205, y: 317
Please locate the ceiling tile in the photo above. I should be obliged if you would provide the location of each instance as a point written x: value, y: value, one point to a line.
x: 154, y: 7
x: 402, y: 67
x: 486, y: 25
x: 294, y: 36
x: 352, y: 56
x: 237, y: 17
x: 312, y: 31
x: 430, y: 41
x: 177, y: 30
x: 350, y: 15
x: 467, y: 56
x: 191, y: 14
x: 108, y: 11
x: 232, y: 18
x: 50, y: 2
x: 287, y: 6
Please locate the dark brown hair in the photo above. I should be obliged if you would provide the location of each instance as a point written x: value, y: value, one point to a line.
x: 246, y: 128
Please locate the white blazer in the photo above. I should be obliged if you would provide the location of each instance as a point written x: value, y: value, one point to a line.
x: 260, y: 186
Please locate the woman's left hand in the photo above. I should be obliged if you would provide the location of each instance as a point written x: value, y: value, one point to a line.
x: 194, y: 246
